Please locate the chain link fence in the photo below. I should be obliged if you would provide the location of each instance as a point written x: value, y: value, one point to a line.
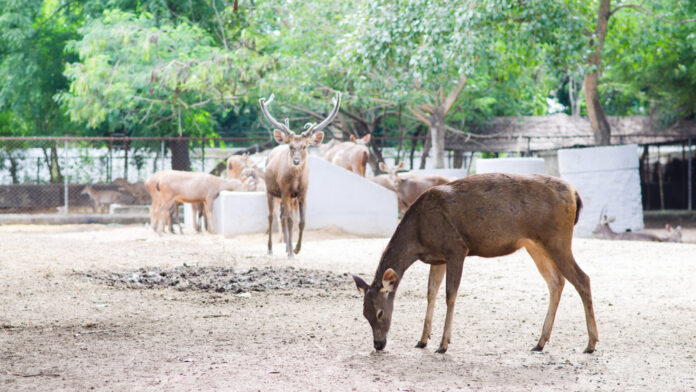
x: 84, y: 175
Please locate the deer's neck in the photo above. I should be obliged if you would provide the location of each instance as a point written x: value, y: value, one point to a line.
x: 400, y: 253
x: 608, y: 232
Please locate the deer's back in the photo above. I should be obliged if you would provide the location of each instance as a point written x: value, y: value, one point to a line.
x: 494, y: 213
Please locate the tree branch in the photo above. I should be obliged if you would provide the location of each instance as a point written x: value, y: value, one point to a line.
x: 649, y: 13
x: 452, y: 96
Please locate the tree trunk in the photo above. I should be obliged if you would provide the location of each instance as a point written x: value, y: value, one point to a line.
x: 458, y: 159
x: 597, y: 117
x: 14, y: 168
x: 426, y: 150
x: 180, y: 154
x: 437, y: 138
x: 52, y: 163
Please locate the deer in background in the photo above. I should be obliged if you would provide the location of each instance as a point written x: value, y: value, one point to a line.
x: 175, y: 186
x: 137, y: 189
x: 352, y: 155
x: 602, y: 230
x: 410, y: 186
x: 101, y: 199
x: 486, y: 215
x: 236, y: 164
x: 674, y: 234
x: 287, y: 171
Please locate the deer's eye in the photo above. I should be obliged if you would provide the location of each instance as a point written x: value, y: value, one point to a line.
x: 380, y: 315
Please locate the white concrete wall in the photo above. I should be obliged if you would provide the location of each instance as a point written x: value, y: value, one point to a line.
x: 449, y: 173
x: 605, y: 177
x: 510, y: 165
x: 335, y: 197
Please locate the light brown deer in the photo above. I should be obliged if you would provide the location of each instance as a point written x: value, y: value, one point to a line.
x: 101, y: 200
x: 237, y: 163
x: 352, y: 155
x: 674, y: 234
x: 602, y: 230
x: 486, y: 215
x: 137, y: 189
x: 409, y: 186
x: 287, y: 171
x: 188, y: 187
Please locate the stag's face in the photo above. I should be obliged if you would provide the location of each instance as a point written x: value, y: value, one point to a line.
x: 378, y: 304
x: 297, y: 145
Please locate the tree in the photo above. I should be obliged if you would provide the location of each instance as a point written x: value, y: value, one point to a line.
x: 150, y: 77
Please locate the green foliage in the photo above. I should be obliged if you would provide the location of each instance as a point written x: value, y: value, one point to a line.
x: 137, y: 73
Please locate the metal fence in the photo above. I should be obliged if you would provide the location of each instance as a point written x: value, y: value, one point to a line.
x: 50, y: 174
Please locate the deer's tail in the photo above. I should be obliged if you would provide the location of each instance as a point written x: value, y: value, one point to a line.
x: 578, y: 206
x: 157, y: 186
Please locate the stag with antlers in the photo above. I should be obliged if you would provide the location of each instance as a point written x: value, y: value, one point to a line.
x: 287, y: 171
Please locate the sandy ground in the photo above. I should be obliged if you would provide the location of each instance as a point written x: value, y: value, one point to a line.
x: 61, y: 331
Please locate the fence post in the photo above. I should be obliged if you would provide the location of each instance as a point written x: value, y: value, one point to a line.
x: 689, y: 180
x: 162, y: 153
x: 65, y: 175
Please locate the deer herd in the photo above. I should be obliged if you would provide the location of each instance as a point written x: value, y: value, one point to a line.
x: 443, y: 220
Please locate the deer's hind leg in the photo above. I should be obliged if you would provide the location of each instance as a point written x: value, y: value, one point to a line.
x: 555, y: 282
x: 565, y: 262
x: 437, y: 273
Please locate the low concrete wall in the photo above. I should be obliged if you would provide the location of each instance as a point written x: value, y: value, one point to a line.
x: 335, y: 198
x: 449, y: 173
x: 510, y: 165
x: 605, y: 177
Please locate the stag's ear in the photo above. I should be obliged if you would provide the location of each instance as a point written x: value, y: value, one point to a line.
x: 279, y: 136
x: 367, y: 138
x: 400, y: 165
x: 389, y: 279
x: 317, y: 137
x: 352, y: 138
x: 383, y: 167
x: 362, y: 285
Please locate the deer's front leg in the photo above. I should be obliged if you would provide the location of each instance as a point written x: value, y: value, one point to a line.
x: 437, y: 273
x: 454, y: 276
x: 286, y: 217
x: 301, y: 206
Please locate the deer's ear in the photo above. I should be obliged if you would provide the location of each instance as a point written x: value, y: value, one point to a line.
x: 361, y: 284
x: 612, y: 218
x: 389, y: 280
x: 367, y: 138
x: 317, y: 137
x: 352, y: 138
x: 400, y: 165
x: 279, y: 136
x: 383, y: 167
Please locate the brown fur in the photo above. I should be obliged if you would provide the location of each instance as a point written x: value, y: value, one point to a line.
x: 487, y: 215
x: 352, y: 155
x: 410, y: 186
x: 101, y: 199
x: 188, y: 187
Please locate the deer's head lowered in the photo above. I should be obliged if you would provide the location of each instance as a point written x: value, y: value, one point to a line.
x: 297, y: 144
x: 378, y: 305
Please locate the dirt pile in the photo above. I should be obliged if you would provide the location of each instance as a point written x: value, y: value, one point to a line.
x: 218, y: 279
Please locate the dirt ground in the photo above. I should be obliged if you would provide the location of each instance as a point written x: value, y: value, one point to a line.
x: 64, y: 328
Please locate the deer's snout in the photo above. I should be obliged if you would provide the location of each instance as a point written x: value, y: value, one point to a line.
x: 380, y: 344
x: 296, y: 161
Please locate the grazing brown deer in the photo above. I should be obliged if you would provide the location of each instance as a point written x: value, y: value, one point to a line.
x: 409, y: 186
x: 137, y: 189
x: 352, y: 155
x: 287, y: 171
x: 486, y: 215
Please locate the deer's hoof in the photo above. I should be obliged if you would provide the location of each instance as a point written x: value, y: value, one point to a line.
x: 441, y: 350
x: 297, y: 250
x: 421, y: 344
x: 538, y: 348
x: 588, y: 350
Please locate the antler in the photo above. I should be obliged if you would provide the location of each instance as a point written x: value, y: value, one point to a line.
x: 282, y: 127
x: 327, y: 120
